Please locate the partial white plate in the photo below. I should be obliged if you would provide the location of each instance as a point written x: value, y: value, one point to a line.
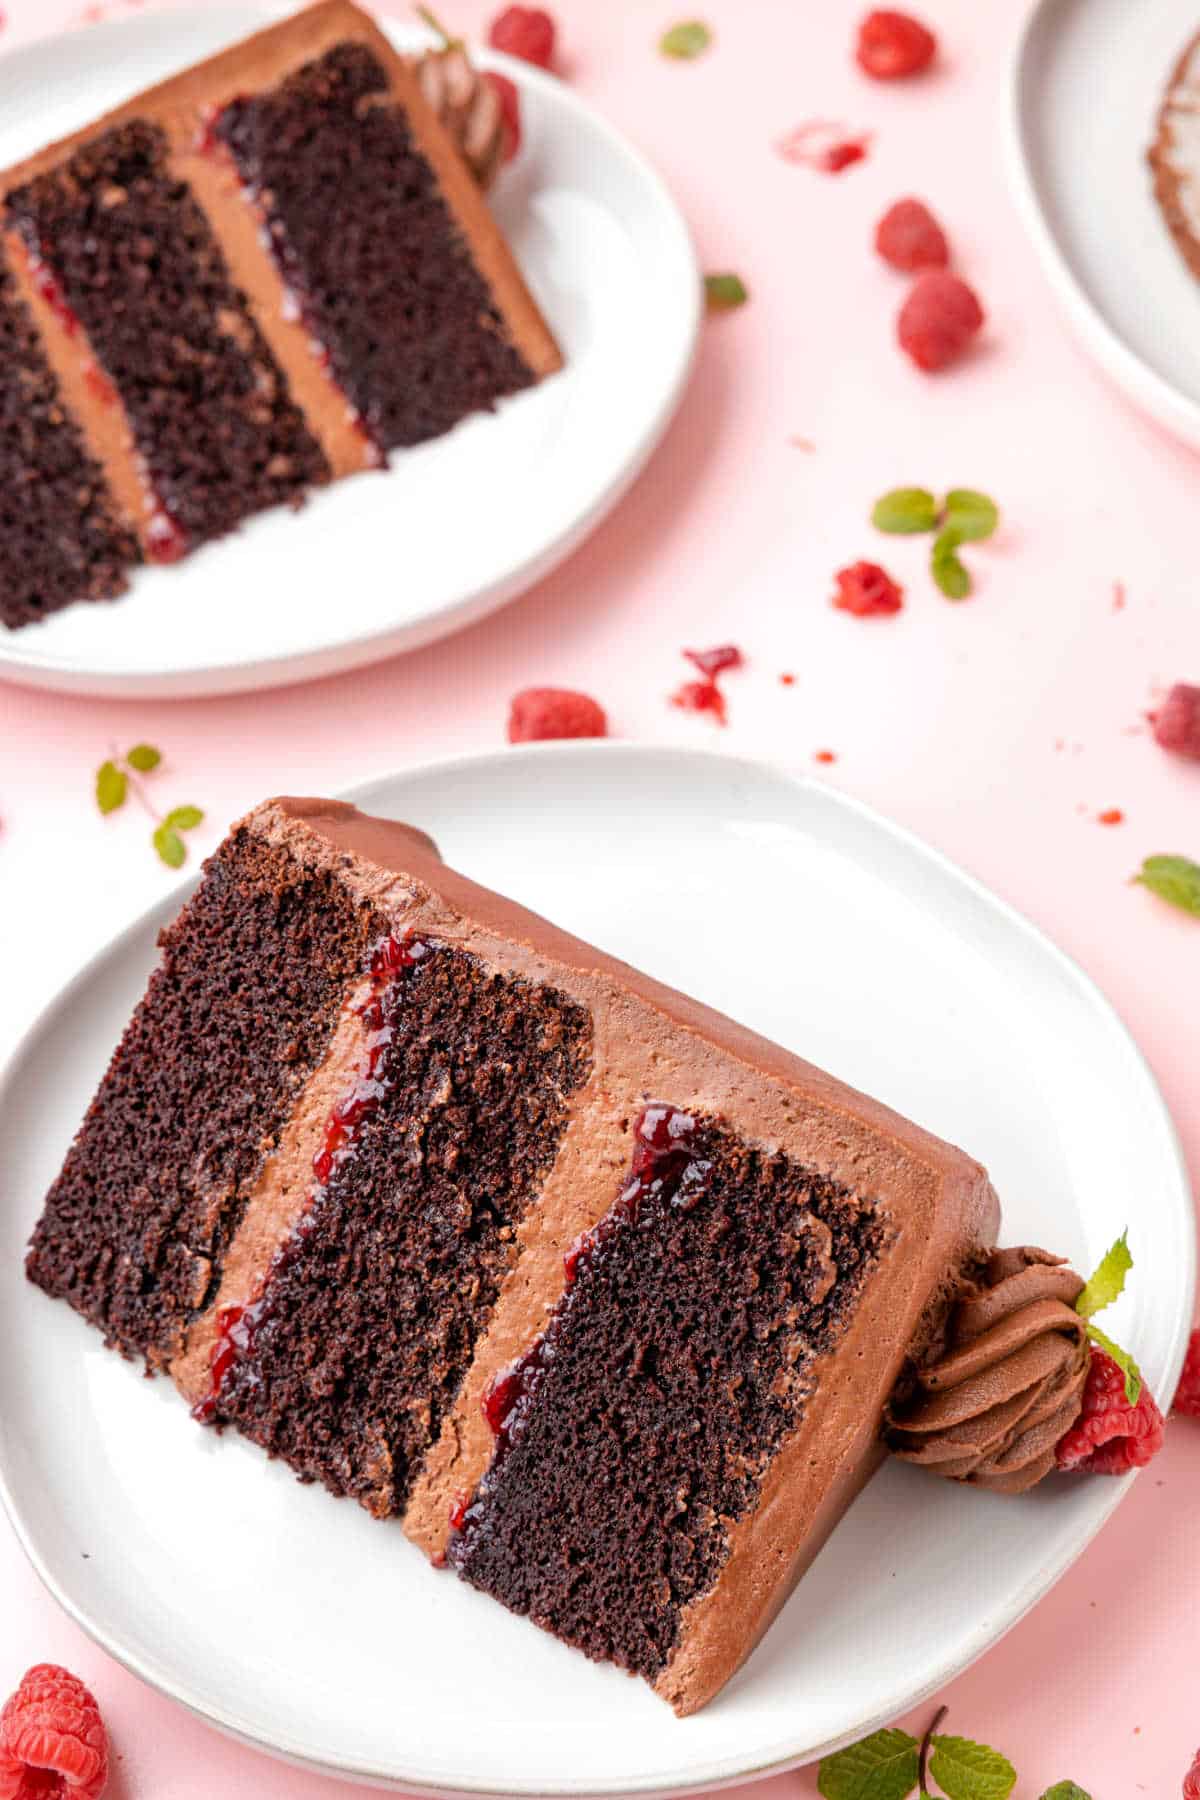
x: 1087, y: 83
x: 299, y: 1624
x: 386, y: 562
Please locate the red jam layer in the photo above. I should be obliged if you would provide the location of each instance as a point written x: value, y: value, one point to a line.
x: 237, y: 1326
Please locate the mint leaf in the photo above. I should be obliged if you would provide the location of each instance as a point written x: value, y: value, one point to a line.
x: 110, y: 787
x: 905, y: 510
x: 880, y: 1767
x: 170, y: 846
x: 724, y: 291
x: 972, y: 515
x: 183, y: 818
x: 1123, y: 1360
x: 969, y: 1771
x: 1173, y: 878
x: 686, y: 40
x: 1107, y: 1281
x: 1066, y: 1790
x: 143, y: 758
x: 946, y: 566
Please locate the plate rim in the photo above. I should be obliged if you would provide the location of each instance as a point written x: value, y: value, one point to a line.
x: 725, y: 1774
x: 1151, y: 393
x: 59, y: 673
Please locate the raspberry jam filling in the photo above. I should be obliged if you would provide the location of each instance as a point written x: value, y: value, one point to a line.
x: 237, y: 1326
x: 664, y: 1164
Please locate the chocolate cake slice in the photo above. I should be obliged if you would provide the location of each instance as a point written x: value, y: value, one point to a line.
x: 259, y: 276
x: 597, y: 1292
x: 1174, y: 156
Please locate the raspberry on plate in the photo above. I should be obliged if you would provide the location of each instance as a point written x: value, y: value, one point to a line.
x: 524, y: 31
x: 52, y: 1740
x: 938, y: 320
x: 910, y: 238
x: 892, y: 45
x: 554, y: 713
x: 1187, y: 1394
x: 1110, y: 1436
x: 1177, y: 721
x: 866, y: 589
x: 510, y: 111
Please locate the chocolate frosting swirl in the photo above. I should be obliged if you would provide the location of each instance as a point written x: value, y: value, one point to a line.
x: 994, y: 1403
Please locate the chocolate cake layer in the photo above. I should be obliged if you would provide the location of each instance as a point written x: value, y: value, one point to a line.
x: 60, y: 537
x: 137, y: 264
x: 235, y: 1019
x: 365, y: 240
x: 639, y: 1426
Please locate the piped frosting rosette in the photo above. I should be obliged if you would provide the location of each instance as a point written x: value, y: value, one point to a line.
x: 992, y: 1405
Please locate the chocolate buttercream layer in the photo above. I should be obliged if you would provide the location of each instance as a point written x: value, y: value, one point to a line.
x: 991, y: 1408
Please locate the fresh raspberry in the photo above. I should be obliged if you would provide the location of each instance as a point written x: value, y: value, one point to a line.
x: 1191, y: 1781
x: 894, y: 44
x: 910, y: 238
x: 1187, y: 1394
x: 1110, y: 1437
x: 524, y: 31
x: 554, y: 713
x: 510, y: 111
x: 1177, y: 721
x: 865, y: 589
x: 52, y: 1741
x: 938, y: 320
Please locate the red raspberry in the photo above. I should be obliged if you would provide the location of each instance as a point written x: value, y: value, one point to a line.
x: 554, y: 713
x: 1110, y: 1437
x: 1177, y: 721
x: 864, y: 589
x: 510, y: 111
x: 1187, y: 1394
x: 893, y: 44
x: 938, y: 320
x: 1191, y: 1781
x: 910, y: 238
x: 524, y: 31
x: 52, y: 1741
x: 701, y: 697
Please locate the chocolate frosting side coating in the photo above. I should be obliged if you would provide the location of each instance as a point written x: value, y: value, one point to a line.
x: 1009, y: 1381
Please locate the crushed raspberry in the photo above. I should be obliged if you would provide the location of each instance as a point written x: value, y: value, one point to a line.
x: 1118, y: 596
x: 510, y: 111
x: 788, y: 680
x: 524, y: 31
x: 825, y: 756
x: 1110, y: 1437
x: 1187, y: 1394
x: 823, y: 145
x: 1111, y: 816
x: 1191, y: 1781
x: 554, y: 713
x: 712, y: 662
x: 52, y: 1740
x: 938, y: 320
x: 1177, y: 721
x: 910, y: 238
x: 865, y: 589
x: 892, y: 45
x: 701, y: 697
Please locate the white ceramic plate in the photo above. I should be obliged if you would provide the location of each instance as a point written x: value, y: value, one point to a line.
x: 384, y: 562
x: 293, y: 1620
x: 1087, y: 84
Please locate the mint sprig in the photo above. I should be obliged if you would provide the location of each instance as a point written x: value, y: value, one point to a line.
x: 1175, y: 879
x: 1066, y: 1790
x: 965, y: 516
x: 891, y: 1764
x: 1106, y: 1284
x: 119, y: 776
x: 905, y: 510
x: 965, y: 1770
x: 723, y: 292
x: 691, y: 38
x: 947, y: 566
x: 880, y: 1767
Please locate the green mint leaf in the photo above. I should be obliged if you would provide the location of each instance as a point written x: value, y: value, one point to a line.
x: 969, y: 1771
x: 170, y: 846
x: 880, y: 1767
x: 143, y: 758
x: 110, y: 787
x: 1066, y: 1790
x: 905, y: 510
x: 686, y: 40
x: 972, y: 515
x: 724, y: 291
x: 947, y: 567
x: 1107, y: 1281
x: 183, y: 818
x: 1173, y: 878
x: 1123, y: 1360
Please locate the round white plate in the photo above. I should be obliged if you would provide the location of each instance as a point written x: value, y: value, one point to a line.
x: 1087, y: 84
x: 295, y: 1621
x: 384, y: 562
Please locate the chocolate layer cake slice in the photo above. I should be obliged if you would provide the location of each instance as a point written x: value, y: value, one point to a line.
x: 1174, y: 156
x: 254, y: 278
x: 599, y: 1293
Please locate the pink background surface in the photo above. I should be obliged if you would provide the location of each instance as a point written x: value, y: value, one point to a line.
x: 997, y: 729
